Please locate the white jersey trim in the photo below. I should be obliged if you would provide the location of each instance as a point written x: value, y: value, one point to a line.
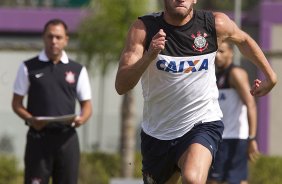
x: 21, y: 83
x: 83, y: 88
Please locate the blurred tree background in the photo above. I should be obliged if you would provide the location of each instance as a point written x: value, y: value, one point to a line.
x: 224, y: 5
x: 101, y: 39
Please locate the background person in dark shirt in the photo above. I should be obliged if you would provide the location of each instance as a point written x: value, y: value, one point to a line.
x: 52, y: 83
x: 239, y: 118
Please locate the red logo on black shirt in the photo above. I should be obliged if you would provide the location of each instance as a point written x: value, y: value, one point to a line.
x: 36, y: 181
x: 70, y: 77
x: 200, y: 42
x: 221, y: 81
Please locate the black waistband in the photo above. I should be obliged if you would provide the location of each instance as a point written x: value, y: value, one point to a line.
x: 53, y: 129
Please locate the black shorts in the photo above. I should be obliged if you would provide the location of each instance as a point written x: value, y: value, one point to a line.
x: 52, y: 152
x: 231, y: 162
x: 160, y: 157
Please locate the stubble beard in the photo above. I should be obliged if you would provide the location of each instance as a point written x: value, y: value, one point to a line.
x: 178, y: 14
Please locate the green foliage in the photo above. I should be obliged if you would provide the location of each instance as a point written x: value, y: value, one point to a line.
x: 102, y: 34
x: 8, y: 170
x: 98, y: 168
x: 138, y: 165
x: 266, y: 170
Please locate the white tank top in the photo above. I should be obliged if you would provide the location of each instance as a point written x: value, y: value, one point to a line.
x: 179, y: 86
x: 235, y: 117
x: 178, y: 93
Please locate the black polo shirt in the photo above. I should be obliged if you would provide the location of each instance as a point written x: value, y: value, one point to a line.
x: 52, y: 90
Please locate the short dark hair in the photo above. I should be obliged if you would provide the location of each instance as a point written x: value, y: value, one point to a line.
x: 55, y: 22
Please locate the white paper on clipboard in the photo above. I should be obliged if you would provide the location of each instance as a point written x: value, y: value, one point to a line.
x: 62, y: 119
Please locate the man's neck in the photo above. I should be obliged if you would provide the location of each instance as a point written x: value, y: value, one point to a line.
x: 177, y: 21
x: 55, y: 59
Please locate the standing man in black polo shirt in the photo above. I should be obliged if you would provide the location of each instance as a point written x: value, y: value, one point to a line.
x: 52, y: 83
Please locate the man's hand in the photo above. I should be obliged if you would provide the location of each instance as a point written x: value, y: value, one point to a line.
x: 157, y: 44
x: 36, y: 124
x: 77, y: 122
x: 253, y: 152
x: 261, y: 88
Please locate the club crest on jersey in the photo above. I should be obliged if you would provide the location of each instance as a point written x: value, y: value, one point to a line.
x: 70, y: 77
x: 149, y: 179
x: 200, y: 42
x: 221, y: 81
x: 36, y: 181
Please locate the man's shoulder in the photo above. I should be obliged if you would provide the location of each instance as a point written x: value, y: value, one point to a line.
x: 151, y: 19
x: 237, y: 69
x: 238, y: 74
x: 75, y: 64
x: 233, y: 69
x: 31, y: 60
x: 204, y: 12
x: 151, y: 15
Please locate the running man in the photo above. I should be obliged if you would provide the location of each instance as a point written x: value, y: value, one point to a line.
x: 173, y: 54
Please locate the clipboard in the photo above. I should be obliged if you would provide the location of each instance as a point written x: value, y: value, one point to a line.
x: 62, y: 119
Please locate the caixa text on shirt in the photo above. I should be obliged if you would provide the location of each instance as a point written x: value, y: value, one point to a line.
x: 182, y: 66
